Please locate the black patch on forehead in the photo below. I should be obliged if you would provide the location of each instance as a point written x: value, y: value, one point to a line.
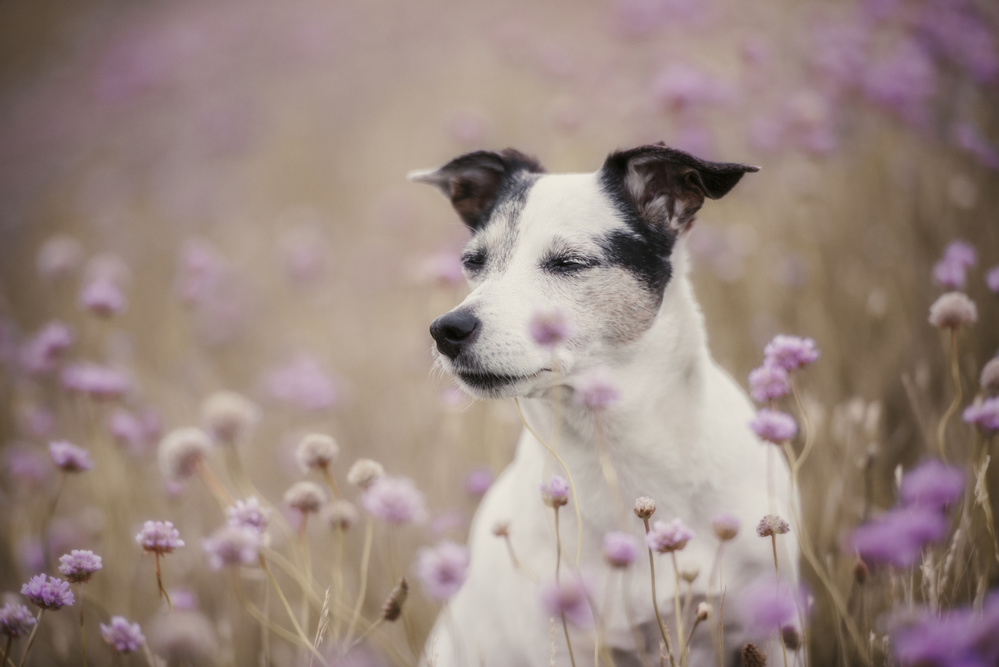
x: 506, y: 211
x: 639, y: 247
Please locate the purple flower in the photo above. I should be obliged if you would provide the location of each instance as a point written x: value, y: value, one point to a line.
x: 122, y: 636
x: 79, y: 565
x: 94, y: 380
x: 970, y: 138
x: 478, y: 481
x: 932, y: 484
x: 898, y: 536
x: 569, y: 596
x: 595, y: 390
x: 903, y: 82
x: 985, y: 415
x: 302, y: 383
x: 26, y: 466
x: 200, y: 272
x: 682, y: 87
x: 70, y: 458
x: 134, y: 432
x: 992, y: 279
x: 959, y: 637
x: 620, y: 548
x: 232, y: 545
x: 249, y: 513
x: 772, y: 525
x: 769, y: 382
x: 48, y: 592
x: 103, y: 297
x: 442, y: 569
x: 395, y: 500
x: 767, y: 605
x: 773, y: 426
x: 159, y: 537
x: 549, y: 327
x: 16, y: 620
x: 45, y: 350
x: 950, y: 274
x: 790, y: 352
x: 726, y: 526
x: 961, y: 252
x: 556, y: 492
x: 667, y: 537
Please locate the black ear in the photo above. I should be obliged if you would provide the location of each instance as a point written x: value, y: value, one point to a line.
x: 666, y: 186
x: 473, y: 181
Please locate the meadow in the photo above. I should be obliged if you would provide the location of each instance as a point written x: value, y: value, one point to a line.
x: 216, y: 284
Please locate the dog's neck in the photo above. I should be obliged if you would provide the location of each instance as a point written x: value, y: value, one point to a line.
x: 660, y: 378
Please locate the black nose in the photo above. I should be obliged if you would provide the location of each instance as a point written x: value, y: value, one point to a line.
x: 454, y: 330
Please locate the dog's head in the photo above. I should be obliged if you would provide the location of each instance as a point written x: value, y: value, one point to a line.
x: 595, y: 246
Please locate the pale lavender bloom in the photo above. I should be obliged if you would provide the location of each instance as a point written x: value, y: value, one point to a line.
x: 984, y: 415
x: 769, y: 382
x: 620, y: 548
x: 596, y: 390
x: 569, y: 596
x: 302, y: 383
x: 94, y: 380
x: 444, y: 268
x: 549, y: 327
x: 48, y: 592
x: 134, y: 432
x: 971, y: 139
x: 442, y: 569
x: 957, y: 30
x: 249, y: 513
x: 447, y: 521
x: 16, y: 620
x: 903, y: 82
x: 122, y: 636
x: 395, y: 500
x: 790, y: 352
x: 79, y: 565
x: 159, y: 537
x: 667, y: 537
x: 26, y: 466
x: 45, y: 350
x: 961, y: 252
x: 59, y: 257
x: 103, y: 297
x: 898, y: 536
x: 726, y: 526
x: 773, y: 426
x: 992, y: 279
x: 233, y: 545
x: 200, y: 272
x: 768, y: 605
x: 478, y: 481
x: 932, y: 484
x: 681, y: 87
x: 956, y: 637
x: 556, y: 492
x: 950, y: 274
x: 840, y: 51
x: 305, y: 253
x: 70, y: 458
x: 772, y: 525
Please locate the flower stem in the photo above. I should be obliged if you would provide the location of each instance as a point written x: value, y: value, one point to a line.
x: 365, y: 559
x: 31, y: 637
x: 565, y: 629
x: 955, y: 372
x: 331, y: 482
x: 83, y: 633
x: 291, y: 613
x: 780, y: 633
x: 676, y: 606
x: 6, y: 650
x: 655, y: 603
x: 159, y: 582
x: 572, y: 485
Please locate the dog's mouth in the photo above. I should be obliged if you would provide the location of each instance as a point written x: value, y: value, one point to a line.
x: 488, y: 382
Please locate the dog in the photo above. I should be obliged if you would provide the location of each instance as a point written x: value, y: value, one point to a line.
x: 606, y: 250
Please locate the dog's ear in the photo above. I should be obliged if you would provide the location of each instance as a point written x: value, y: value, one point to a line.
x: 473, y: 181
x: 666, y: 186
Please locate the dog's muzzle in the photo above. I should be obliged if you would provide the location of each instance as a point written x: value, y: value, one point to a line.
x: 455, y: 330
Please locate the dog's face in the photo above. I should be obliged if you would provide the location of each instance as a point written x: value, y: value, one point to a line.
x: 595, y: 247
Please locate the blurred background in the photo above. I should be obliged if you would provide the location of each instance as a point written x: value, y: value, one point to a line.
x: 237, y: 169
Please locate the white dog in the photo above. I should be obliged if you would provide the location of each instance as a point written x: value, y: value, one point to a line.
x: 608, y: 250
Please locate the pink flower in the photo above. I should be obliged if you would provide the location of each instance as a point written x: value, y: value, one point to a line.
x: 790, y: 352
x: 94, y: 380
x: 595, y: 390
x: 681, y: 87
x: 302, y: 383
x: 549, y: 327
x: 48, y: 592
x: 442, y: 569
x: 620, y: 548
x: 159, y: 537
x: 15, y: 620
x: 103, y: 297
x: 569, y: 596
x: 45, y: 350
x: 932, y: 484
x: 773, y: 426
x: 992, y: 279
x: 985, y: 415
x: 70, y: 458
x: 898, y: 537
x: 79, y: 565
x: 769, y: 382
x: 237, y: 545
x: 767, y: 605
x: 122, y: 636
x: 556, y: 492
x: 395, y: 500
x: 668, y: 537
x: 478, y: 481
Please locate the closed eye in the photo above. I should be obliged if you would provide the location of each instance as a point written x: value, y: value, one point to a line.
x: 473, y: 261
x: 568, y: 264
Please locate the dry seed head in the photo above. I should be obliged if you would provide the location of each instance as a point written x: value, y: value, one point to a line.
x: 861, y: 572
x: 364, y: 472
x: 392, y: 608
x: 690, y: 573
x: 180, y: 452
x: 644, y: 507
x: 704, y: 611
x: 501, y: 529
x: 752, y: 656
x: 953, y: 310
x: 792, y: 638
x: 228, y: 416
x: 339, y: 514
x: 305, y: 497
x: 316, y: 451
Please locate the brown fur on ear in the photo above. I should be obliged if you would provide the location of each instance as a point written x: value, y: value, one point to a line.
x: 667, y: 186
x: 473, y: 181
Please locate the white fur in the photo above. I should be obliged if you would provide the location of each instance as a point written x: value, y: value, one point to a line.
x: 679, y: 434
